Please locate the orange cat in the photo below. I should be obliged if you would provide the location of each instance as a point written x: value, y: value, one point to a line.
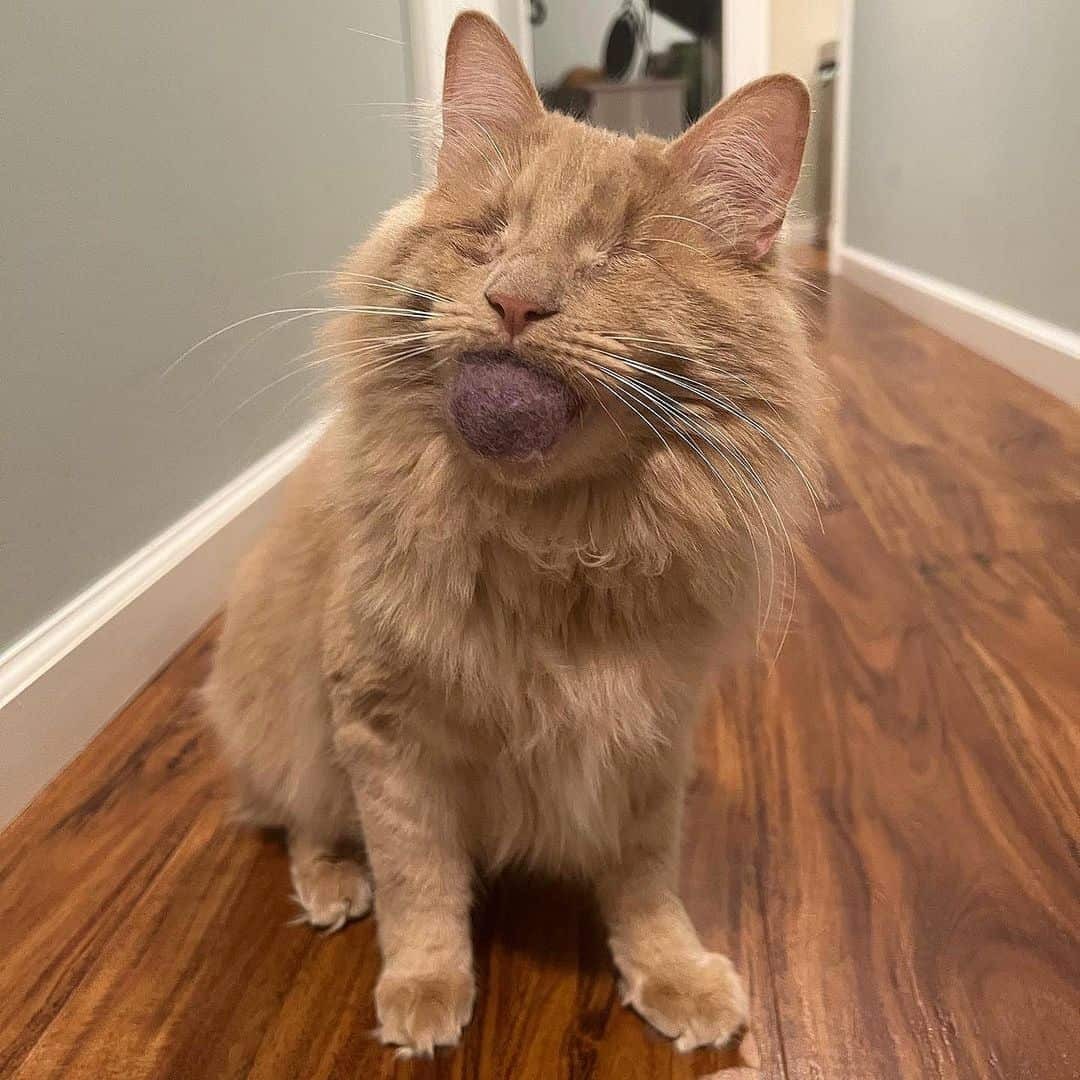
x: 574, y: 423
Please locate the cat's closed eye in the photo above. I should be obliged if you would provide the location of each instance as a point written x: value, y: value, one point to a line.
x: 609, y: 257
x: 477, y: 241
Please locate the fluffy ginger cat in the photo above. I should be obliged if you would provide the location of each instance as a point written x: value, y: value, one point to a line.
x: 573, y: 431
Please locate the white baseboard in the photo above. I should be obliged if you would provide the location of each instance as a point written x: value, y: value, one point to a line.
x: 1041, y: 352
x: 67, y: 677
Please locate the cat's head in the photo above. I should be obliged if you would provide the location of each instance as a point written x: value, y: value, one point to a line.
x: 572, y: 300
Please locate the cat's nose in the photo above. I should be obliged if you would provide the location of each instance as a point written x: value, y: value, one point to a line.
x: 516, y: 312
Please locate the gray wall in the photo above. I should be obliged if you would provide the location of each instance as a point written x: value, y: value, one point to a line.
x: 965, y: 146
x: 159, y: 165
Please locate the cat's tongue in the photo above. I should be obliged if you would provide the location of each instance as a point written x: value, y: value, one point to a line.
x: 504, y: 409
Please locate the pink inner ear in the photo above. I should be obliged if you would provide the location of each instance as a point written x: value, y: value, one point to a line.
x: 486, y: 90
x: 745, y: 155
x: 764, y: 243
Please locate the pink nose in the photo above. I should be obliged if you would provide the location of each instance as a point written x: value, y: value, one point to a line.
x: 516, y: 312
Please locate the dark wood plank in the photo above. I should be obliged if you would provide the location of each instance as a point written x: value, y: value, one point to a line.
x: 883, y: 828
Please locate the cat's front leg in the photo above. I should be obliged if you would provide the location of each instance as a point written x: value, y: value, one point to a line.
x: 688, y: 993
x: 423, y: 885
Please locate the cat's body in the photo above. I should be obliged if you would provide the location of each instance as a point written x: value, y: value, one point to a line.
x: 457, y: 657
x: 525, y: 683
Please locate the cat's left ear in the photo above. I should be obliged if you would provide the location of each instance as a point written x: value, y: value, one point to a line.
x: 487, y: 93
x: 744, y: 157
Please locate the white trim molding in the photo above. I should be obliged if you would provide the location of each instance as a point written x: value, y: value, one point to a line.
x: 1039, y: 351
x: 429, y: 23
x: 840, y: 156
x: 65, y: 679
x: 428, y: 26
x: 745, y: 29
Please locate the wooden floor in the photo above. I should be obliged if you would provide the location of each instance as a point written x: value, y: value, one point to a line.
x: 883, y: 829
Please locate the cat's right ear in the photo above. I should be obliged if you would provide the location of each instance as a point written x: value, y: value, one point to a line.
x: 487, y: 93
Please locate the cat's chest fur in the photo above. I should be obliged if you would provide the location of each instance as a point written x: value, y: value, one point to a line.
x: 543, y: 689
x: 552, y: 655
x: 558, y: 696
x: 507, y: 636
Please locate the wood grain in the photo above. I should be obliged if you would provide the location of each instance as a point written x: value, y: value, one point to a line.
x: 883, y: 829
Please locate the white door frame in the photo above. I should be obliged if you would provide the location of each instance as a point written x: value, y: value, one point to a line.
x: 429, y: 25
x: 745, y: 30
x: 842, y: 105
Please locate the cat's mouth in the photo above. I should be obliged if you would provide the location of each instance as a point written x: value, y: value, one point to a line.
x: 506, y: 409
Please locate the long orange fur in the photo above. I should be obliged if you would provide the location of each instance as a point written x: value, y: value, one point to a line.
x: 435, y: 664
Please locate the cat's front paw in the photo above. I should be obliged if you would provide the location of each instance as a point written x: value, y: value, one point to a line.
x: 330, y: 890
x: 697, y: 1001
x: 421, y: 1010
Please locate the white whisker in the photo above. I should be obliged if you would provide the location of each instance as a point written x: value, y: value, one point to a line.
x: 374, y: 282
x: 629, y: 404
x: 593, y: 383
x: 710, y: 395
x: 679, y: 413
x: 689, y: 220
x: 677, y: 243
x: 309, y: 312
x: 371, y: 366
x: 639, y: 342
x: 377, y: 37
